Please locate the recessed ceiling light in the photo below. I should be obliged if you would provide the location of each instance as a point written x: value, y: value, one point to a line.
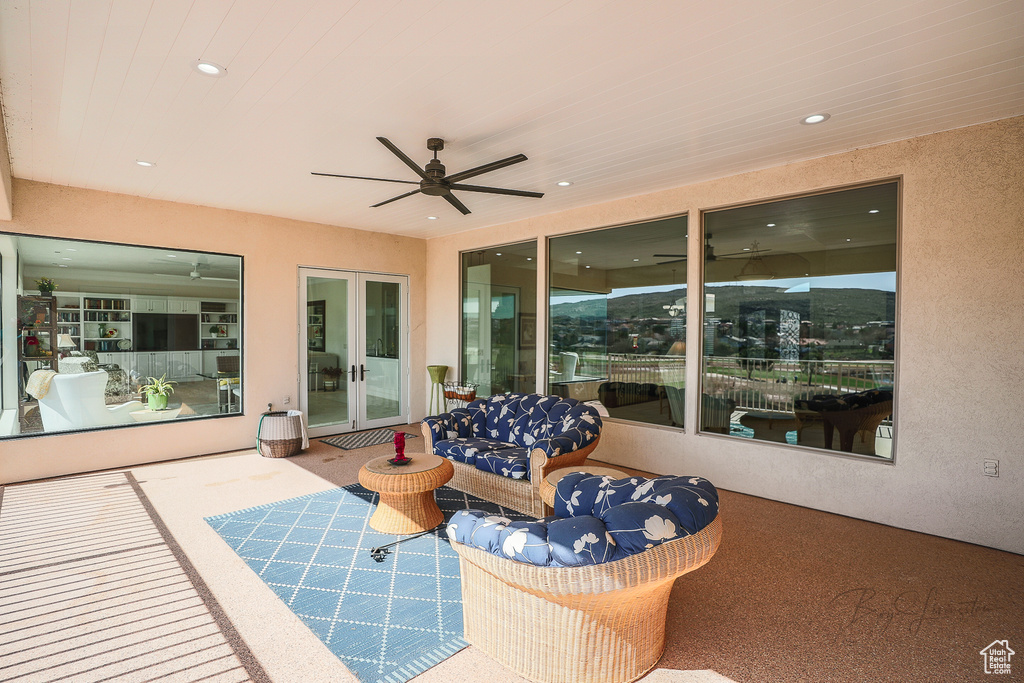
x: 815, y: 118
x: 746, y: 248
x: 529, y: 258
x: 208, y: 68
x: 564, y: 183
x: 497, y: 253
x: 146, y: 164
x: 172, y: 256
x: 70, y: 249
x: 62, y: 265
x: 579, y: 252
x: 431, y: 218
x: 848, y: 239
x: 65, y: 258
x: 873, y: 211
x: 635, y: 260
x: 771, y: 225
x: 588, y: 266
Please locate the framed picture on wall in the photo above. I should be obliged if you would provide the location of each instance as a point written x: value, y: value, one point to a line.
x: 527, y: 331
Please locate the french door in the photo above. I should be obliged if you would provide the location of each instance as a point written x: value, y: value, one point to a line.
x: 354, y: 350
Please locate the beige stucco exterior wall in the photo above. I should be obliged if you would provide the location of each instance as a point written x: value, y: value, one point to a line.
x: 961, y: 338
x: 273, y: 249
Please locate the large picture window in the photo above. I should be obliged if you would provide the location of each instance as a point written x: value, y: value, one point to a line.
x: 104, y: 335
x: 800, y: 327
x: 499, y: 320
x: 617, y: 302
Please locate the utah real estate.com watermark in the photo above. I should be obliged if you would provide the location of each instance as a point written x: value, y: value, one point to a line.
x: 997, y: 657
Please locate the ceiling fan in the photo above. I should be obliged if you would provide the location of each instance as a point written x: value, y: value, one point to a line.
x: 709, y: 253
x: 196, y: 275
x: 435, y: 183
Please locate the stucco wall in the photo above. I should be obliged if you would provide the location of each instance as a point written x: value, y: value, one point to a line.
x: 961, y: 338
x: 273, y: 249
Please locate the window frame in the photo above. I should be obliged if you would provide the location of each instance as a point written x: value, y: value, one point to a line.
x: 242, y: 339
x: 702, y: 213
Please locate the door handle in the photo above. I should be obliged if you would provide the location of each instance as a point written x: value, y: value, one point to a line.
x: 353, y: 373
x: 362, y: 372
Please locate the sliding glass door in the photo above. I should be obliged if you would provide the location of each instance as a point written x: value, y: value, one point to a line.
x: 354, y: 350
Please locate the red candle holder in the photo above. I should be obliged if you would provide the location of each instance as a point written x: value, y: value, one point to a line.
x: 400, y: 458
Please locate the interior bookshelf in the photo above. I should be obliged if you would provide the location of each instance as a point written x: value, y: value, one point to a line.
x: 218, y: 325
x: 106, y: 323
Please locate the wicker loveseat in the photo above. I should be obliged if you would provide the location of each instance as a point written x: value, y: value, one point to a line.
x: 503, y: 446
x: 583, y: 595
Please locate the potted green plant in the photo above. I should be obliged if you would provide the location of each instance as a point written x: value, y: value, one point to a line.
x: 213, y: 330
x: 157, y: 392
x: 46, y: 286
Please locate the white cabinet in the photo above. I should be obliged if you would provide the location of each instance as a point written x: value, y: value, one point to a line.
x: 180, y: 305
x: 183, y: 366
x: 150, y: 304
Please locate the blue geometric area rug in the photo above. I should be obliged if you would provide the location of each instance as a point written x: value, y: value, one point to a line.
x: 386, y: 621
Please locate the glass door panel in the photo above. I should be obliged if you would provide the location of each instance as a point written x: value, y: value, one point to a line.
x: 327, y: 331
x: 384, y: 363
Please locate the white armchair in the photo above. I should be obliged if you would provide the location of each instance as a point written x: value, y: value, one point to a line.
x: 76, y: 401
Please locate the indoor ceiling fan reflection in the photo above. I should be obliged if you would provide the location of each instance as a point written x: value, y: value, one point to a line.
x: 709, y: 253
x: 197, y: 275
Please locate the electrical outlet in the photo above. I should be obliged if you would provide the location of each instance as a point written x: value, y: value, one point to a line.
x: 991, y: 468
x: 286, y: 400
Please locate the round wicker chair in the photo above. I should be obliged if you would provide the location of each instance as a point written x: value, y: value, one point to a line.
x: 600, y: 623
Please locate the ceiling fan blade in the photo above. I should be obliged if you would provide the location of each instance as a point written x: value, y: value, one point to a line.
x: 496, y: 190
x: 486, y: 168
x: 742, y: 253
x: 665, y: 263
x: 457, y: 204
x: 362, y: 177
x: 669, y: 255
x: 395, y: 199
x: 401, y: 155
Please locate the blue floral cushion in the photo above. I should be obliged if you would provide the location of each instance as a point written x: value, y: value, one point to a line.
x: 508, y: 462
x: 467, y: 450
x: 609, y: 520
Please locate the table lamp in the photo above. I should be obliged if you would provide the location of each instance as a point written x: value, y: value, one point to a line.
x: 64, y: 344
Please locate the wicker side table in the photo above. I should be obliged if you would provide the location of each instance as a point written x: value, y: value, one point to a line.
x: 407, y: 504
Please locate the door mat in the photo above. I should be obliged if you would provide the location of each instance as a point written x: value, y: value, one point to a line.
x: 386, y: 621
x: 374, y: 437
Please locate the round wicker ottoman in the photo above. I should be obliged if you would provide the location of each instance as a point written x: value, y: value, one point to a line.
x: 406, y: 503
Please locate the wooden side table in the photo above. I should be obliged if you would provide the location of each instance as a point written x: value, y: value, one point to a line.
x: 549, y: 484
x: 407, y: 504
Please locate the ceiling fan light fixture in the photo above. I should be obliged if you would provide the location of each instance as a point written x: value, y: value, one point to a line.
x: 755, y: 268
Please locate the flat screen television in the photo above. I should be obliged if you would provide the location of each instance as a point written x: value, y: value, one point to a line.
x: 165, y: 332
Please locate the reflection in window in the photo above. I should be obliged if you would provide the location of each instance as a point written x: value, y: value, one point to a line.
x: 499, y: 320
x: 799, y: 332
x: 618, y: 319
x: 125, y: 335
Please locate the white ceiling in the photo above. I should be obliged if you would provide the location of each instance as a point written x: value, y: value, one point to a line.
x: 620, y: 97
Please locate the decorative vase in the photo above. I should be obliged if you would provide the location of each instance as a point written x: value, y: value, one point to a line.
x: 157, y: 402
